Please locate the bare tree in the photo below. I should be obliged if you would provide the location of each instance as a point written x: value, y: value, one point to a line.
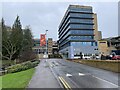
x: 10, y: 48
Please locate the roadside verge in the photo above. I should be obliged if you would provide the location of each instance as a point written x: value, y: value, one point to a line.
x: 111, y: 65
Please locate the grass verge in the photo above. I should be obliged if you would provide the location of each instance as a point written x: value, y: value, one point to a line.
x: 17, y: 80
x: 0, y: 82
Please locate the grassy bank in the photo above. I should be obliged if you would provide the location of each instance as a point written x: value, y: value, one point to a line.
x: 17, y: 80
x: 0, y: 82
x: 112, y: 65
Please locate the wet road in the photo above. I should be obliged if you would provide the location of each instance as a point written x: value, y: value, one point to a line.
x: 83, y: 76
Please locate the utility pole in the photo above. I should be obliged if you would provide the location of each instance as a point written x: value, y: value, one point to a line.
x: 46, y: 43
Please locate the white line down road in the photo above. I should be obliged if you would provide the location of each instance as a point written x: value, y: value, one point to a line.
x: 106, y: 81
x: 81, y: 74
x: 68, y: 75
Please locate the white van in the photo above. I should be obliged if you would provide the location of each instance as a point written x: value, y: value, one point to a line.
x: 87, y: 56
x: 83, y: 56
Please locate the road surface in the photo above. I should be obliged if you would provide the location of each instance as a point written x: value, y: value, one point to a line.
x: 82, y: 76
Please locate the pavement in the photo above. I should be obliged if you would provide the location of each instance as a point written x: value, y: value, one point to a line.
x: 59, y: 73
x: 43, y: 77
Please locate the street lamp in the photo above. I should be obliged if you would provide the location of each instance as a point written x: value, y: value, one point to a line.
x: 46, y: 41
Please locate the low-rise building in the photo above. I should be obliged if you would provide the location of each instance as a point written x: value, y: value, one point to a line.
x: 39, y: 50
x: 107, y: 45
x: 103, y: 47
x: 52, y: 47
x: 115, y: 41
x: 55, y: 48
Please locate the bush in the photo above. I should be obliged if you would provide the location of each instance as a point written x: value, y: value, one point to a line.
x: 36, y: 63
x: 22, y: 66
x: 6, y: 63
x: 55, y: 56
x: 29, y: 53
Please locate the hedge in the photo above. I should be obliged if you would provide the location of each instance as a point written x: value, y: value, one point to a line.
x: 22, y: 66
x: 55, y: 56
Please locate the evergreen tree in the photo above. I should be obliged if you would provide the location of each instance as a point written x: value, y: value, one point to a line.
x: 28, y: 39
x: 17, y: 37
x: 27, y: 45
x: 4, y: 40
x: 4, y: 31
x: 17, y: 43
x: 12, y: 40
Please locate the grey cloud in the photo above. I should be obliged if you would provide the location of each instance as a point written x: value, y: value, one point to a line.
x: 47, y: 15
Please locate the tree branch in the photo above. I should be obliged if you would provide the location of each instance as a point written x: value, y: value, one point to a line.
x: 6, y: 57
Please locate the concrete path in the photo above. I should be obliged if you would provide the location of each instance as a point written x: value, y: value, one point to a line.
x: 43, y: 77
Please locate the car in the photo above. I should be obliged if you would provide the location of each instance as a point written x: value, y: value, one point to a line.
x: 76, y: 57
x: 86, y: 57
x: 97, y: 57
x: 116, y: 57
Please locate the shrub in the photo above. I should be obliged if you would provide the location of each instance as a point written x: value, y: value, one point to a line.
x: 55, y: 56
x: 14, y: 68
x: 22, y: 66
x: 6, y: 63
x: 35, y: 63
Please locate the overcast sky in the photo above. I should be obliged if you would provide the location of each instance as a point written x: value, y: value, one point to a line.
x: 47, y: 15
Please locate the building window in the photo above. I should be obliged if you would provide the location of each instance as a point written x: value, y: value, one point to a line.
x: 77, y: 44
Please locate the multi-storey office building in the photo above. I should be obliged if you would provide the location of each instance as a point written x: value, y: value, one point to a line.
x: 97, y: 34
x: 76, y: 32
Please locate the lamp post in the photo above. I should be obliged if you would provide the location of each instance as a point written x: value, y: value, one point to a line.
x: 46, y: 41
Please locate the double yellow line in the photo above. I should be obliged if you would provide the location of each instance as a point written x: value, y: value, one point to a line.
x: 65, y: 84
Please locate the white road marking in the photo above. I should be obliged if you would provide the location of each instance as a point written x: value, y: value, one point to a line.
x: 106, y: 81
x: 81, y: 74
x: 56, y: 64
x: 68, y: 75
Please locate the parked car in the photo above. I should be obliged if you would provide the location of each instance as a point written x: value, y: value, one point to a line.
x: 97, y: 57
x: 116, y: 57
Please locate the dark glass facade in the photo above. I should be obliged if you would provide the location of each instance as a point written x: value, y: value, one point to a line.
x: 76, y: 31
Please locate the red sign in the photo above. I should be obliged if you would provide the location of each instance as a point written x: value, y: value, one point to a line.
x: 42, y: 40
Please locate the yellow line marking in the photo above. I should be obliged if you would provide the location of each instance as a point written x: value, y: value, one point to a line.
x: 63, y: 82
x: 66, y: 85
